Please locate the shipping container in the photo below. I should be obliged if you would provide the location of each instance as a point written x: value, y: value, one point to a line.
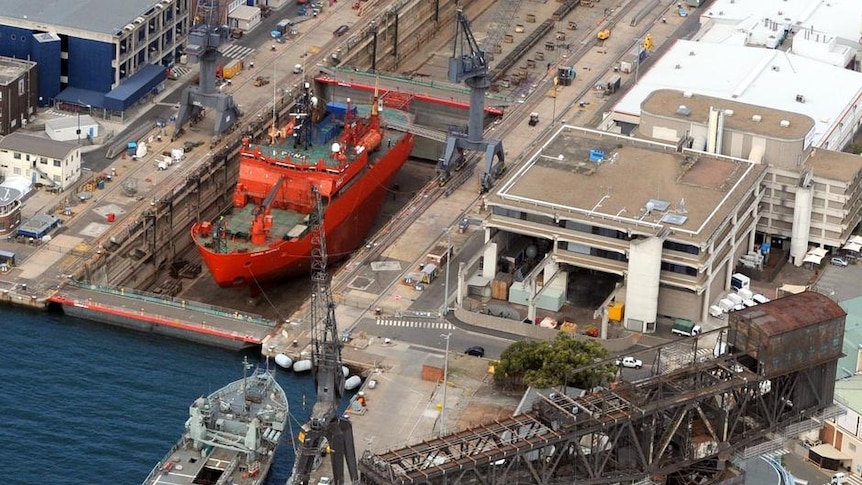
x: 232, y: 68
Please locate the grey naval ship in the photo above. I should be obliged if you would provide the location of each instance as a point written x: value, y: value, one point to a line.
x: 230, y: 436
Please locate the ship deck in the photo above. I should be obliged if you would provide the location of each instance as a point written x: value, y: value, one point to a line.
x: 238, y: 223
x: 323, y: 134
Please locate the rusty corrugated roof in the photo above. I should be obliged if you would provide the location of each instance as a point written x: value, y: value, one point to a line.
x: 792, y: 312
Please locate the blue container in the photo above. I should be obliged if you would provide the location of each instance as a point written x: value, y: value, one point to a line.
x: 597, y: 155
x: 101, y: 184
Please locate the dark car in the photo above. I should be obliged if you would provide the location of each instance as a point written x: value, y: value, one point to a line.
x: 475, y: 351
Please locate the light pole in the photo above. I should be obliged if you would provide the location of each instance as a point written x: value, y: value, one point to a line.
x: 445, y: 309
x: 442, y: 427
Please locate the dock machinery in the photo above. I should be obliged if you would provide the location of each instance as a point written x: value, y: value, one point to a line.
x: 325, y: 427
x: 204, y: 40
x: 468, y: 65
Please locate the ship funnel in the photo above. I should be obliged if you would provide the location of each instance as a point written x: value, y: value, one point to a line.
x: 336, y: 147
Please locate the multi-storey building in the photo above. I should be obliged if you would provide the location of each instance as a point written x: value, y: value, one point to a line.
x: 53, y: 164
x: 98, y: 53
x: 18, y: 93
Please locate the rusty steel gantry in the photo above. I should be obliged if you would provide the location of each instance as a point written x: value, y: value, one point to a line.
x: 776, y: 370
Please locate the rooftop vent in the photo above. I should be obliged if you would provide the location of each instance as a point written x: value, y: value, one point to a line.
x: 677, y: 66
x: 687, y: 94
x: 784, y: 123
x: 675, y: 219
x: 728, y: 112
x: 756, y: 118
x: 683, y: 110
x: 658, y: 205
x: 776, y: 68
x: 691, y: 53
x: 800, y: 98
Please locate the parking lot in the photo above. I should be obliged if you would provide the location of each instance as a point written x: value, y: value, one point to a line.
x: 841, y: 282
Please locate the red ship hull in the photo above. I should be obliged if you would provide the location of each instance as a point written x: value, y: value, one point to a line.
x: 348, y: 219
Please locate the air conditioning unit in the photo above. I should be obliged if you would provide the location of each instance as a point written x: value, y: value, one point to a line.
x: 784, y: 123
x: 800, y: 98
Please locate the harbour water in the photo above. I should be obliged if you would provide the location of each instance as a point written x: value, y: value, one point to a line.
x: 86, y: 403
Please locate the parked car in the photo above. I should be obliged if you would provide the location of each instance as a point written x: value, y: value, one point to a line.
x: 630, y: 362
x: 475, y: 351
x: 839, y: 261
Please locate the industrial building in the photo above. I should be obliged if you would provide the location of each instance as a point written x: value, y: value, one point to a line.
x: 669, y: 224
x: 671, y: 210
x: 829, y: 95
x: 108, y: 61
x: 810, y: 196
x: 824, y: 31
x: 53, y: 164
x: 18, y: 93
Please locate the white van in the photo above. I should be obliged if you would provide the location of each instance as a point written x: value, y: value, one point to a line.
x: 760, y: 298
x: 838, y: 479
x: 736, y: 299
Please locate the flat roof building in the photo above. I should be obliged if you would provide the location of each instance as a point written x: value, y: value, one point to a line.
x: 95, y: 46
x: 670, y: 224
x: 831, y: 96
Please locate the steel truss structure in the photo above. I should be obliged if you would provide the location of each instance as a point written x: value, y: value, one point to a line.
x: 681, y: 421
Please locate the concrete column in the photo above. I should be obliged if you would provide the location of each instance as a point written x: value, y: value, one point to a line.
x: 462, y: 285
x: 801, y: 224
x: 489, y: 261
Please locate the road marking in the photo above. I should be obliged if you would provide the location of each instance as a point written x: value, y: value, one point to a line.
x: 237, y: 51
x: 433, y: 324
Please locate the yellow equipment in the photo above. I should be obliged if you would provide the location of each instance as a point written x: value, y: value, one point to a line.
x: 603, y: 34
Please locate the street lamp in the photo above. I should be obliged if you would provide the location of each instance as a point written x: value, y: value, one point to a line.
x: 445, y: 384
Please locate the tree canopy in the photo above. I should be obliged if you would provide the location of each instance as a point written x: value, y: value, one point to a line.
x: 555, y: 363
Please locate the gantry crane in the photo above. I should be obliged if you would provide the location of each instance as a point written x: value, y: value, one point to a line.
x: 325, y: 428
x: 469, y: 65
x: 204, y: 40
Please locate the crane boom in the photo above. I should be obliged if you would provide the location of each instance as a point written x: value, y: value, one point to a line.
x: 325, y: 426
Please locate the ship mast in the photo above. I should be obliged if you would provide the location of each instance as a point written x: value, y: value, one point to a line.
x: 325, y: 423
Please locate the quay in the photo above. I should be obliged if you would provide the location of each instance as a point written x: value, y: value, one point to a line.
x: 173, y: 317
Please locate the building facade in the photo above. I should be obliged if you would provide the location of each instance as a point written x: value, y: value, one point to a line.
x: 18, y: 93
x: 53, y: 164
x: 810, y: 196
x: 94, y: 54
x: 670, y: 224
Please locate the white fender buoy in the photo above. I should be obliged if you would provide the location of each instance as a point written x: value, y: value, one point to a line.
x: 345, y: 370
x: 301, y: 365
x: 352, y: 383
x: 283, y: 361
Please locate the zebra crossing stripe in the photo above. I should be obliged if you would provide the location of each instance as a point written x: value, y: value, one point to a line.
x: 415, y: 324
x: 237, y: 51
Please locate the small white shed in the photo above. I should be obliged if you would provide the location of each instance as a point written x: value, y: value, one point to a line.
x: 244, y: 17
x: 65, y: 128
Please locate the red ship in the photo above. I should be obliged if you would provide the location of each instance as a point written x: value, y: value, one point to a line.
x: 265, y: 236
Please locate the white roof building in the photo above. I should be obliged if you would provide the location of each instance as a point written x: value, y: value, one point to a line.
x: 841, y: 19
x: 830, y: 95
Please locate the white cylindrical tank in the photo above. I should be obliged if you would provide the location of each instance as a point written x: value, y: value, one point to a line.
x: 302, y: 365
x: 352, y: 383
x: 283, y: 361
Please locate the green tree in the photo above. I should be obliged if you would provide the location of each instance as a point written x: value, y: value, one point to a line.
x: 555, y: 363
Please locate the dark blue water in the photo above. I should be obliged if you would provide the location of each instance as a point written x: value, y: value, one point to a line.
x: 86, y: 403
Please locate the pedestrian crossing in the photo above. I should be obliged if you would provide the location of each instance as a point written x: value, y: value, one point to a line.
x: 851, y: 479
x: 399, y: 322
x: 180, y: 71
x: 237, y: 51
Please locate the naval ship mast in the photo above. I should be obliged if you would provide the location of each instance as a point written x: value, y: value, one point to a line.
x: 325, y: 427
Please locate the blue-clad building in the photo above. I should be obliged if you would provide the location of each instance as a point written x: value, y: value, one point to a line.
x: 105, y: 55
